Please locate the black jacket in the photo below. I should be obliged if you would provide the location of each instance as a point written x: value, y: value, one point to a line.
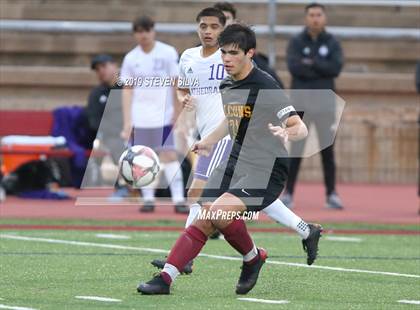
x: 323, y: 57
x: 99, y: 98
x: 262, y: 62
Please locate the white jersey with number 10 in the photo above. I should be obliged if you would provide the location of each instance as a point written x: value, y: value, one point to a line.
x: 206, y: 74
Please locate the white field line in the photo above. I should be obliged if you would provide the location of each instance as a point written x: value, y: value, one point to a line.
x: 122, y: 247
x: 14, y: 307
x: 411, y: 302
x: 265, y: 301
x: 343, y: 239
x: 82, y: 243
x: 112, y: 236
x: 97, y: 298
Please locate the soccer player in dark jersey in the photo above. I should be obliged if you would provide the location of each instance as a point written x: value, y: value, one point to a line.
x: 259, y: 124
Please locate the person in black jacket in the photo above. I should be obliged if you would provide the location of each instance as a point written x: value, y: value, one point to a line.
x: 418, y: 91
x: 107, y: 73
x: 315, y: 59
x: 104, y: 112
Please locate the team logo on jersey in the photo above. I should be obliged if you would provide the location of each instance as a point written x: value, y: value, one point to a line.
x: 158, y: 64
x: 323, y: 50
x: 306, y: 51
x: 103, y: 98
x: 190, y: 70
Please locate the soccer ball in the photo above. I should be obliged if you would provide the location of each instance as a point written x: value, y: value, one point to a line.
x: 139, y: 165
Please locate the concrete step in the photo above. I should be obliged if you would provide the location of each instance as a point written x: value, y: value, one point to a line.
x: 83, y: 77
x: 185, y: 11
x: 73, y: 49
x: 43, y: 87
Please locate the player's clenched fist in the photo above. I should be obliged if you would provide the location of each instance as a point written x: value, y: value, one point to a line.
x: 279, y: 132
x: 188, y: 102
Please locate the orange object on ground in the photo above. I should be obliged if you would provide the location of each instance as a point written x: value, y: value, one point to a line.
x: 20, y: 154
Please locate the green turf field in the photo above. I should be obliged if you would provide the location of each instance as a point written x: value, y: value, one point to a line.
x: 48, y: 272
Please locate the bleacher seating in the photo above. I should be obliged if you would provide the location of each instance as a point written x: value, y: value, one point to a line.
x: 53, y: 69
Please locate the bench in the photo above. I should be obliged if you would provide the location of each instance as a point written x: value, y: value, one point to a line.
x: 31, y: 123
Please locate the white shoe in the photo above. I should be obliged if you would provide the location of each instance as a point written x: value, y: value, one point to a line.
x: 2, y: 194
x: 334, y: 202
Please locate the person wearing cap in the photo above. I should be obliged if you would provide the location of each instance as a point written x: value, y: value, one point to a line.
x: 107, y: 73
x: 104, y: 111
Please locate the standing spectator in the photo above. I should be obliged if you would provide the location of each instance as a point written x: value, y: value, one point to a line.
x: 418, y: 91
x: 107, y: 126
x: 259, y: 59
x: 228, y: 10
x: 149, y: 107
x: 315, y: 59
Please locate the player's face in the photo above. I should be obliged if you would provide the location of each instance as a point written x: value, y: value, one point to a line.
x: 315, y: 19
x: 209, y: 29
x: 144, y: 38
x: 106, y: 72
x: 234, y: 59
x: 229, y: 18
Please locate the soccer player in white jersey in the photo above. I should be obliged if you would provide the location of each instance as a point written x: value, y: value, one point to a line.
x: 205, y: 64
x: 148, y: 105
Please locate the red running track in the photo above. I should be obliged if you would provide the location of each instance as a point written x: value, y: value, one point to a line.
x: 376, y: 204
x: 181, y: 228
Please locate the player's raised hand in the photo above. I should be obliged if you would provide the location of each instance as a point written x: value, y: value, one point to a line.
x: 202, y: 148
x: 279, y: 132
x: 188, y: 103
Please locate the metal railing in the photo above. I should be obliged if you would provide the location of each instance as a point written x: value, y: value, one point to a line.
x: 386, y: 3
x: 187, y: 28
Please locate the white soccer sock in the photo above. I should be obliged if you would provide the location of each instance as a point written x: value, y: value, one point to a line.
x: 171, y: 270
x: 194, y: 210
x: 283, y: 215
x: 173, y: 174
x: 148, y: 193
x: 251, y: 255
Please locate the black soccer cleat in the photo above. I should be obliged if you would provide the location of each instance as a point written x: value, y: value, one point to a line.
x: 160, y: 263
x: 310, y: 244
x: 250, y: 272
x: 215, y: 236
x: 181, y: 208
x: 148, y: 207
x: 156, y: 286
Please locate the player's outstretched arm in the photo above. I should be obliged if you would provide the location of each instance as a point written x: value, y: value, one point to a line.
x: 205, y: 146
x: 295, y: 129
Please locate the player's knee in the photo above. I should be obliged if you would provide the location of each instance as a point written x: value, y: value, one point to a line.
x: 219, y: 216
x: 206, y: 226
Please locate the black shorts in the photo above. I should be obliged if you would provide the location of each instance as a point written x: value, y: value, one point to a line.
x: 256, y: 188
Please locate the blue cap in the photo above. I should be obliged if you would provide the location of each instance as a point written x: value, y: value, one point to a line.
x: 100, y: 59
